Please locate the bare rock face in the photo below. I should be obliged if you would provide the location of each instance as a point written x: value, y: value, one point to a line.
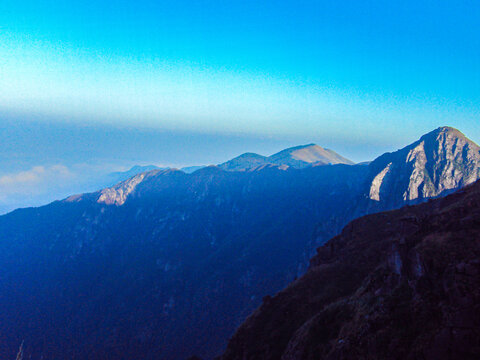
x: 437, y: 164
x: 403, y: 284
x: 377, y: 183
x: 118, y: 194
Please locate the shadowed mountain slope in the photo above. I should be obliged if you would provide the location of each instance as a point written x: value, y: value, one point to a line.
x: 399, y: 285
x: 163, y: 265
x: 167, y: 264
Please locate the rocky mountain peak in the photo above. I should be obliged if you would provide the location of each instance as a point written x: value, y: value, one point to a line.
x: 246, y: 161
x: 307, y: 155
x: 439, y: 162
x: 443, y: 131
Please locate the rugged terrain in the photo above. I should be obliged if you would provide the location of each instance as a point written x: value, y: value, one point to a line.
x: 403, y: 284
x: 168, y: 264
x: 441, y: 161
x: 163, y: 265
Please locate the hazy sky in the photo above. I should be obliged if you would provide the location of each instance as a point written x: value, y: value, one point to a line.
x: 105, y: 84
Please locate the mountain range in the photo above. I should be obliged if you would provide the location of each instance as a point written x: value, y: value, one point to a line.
x: 295, y: 157
x: 168, y: 264
x: 298, y: 157
x: 119, y: 176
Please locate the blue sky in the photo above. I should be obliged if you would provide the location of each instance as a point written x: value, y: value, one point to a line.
x: 200, y: 81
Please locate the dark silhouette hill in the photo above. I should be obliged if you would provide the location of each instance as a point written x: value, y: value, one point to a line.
x: 403, y: 284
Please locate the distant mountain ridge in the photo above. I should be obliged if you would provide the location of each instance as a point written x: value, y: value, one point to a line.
x: 438, y: 163
x: 118, y: 176
x: 306, y: 155
x: 167, y: 264
x: 297, y: 157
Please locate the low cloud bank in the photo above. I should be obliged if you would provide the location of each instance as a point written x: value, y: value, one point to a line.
x: 41, y: 185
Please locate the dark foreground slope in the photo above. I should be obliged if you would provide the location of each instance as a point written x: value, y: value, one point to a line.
x: 403, y: 284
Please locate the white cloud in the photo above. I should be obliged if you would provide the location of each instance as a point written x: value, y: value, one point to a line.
x: 42, y: 184
x: 36, y: 186
x: 34, y: 180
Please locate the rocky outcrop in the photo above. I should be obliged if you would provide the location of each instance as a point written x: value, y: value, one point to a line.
x: 117, y: 195
x: 377, y: 182
x: 397, y: 285
x: 437, y: 164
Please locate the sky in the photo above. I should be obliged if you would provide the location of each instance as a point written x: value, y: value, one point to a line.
x: 88, y: 87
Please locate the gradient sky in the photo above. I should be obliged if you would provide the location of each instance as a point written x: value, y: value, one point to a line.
x: 113, y: 83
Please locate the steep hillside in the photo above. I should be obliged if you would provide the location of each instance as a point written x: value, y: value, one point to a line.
x: 395, y: 285
x: 163, y: 265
